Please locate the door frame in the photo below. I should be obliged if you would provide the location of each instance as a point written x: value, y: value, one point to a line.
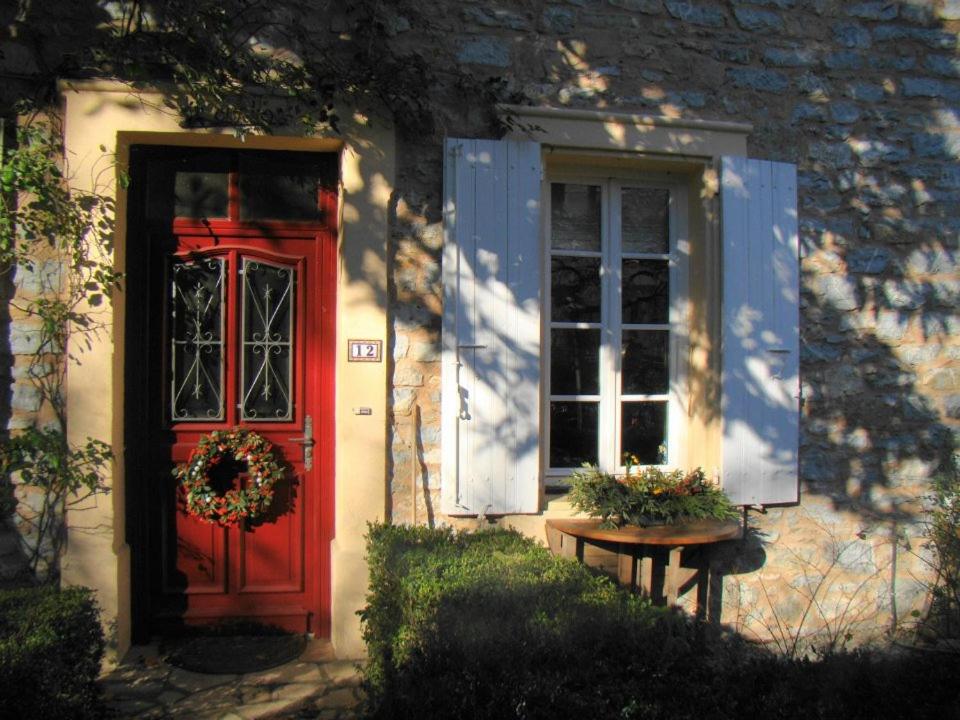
x: 145, y: 393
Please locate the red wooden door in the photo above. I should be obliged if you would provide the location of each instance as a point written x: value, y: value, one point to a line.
x: 248, y: 342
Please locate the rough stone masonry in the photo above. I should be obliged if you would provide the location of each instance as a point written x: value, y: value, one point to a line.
x: 865, y: 99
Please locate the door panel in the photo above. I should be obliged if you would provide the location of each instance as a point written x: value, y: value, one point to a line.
x: 267, y: 361
x: 197, y: 566
x: 273, y: 561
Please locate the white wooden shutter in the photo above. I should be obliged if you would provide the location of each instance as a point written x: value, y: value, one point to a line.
x: 491, y: 327
x: 760, y: 334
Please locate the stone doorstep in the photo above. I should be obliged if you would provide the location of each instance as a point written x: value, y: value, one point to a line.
x: 136, y: 690
x: 296, y: 671
x: 130, y: 708
x: 192, y: 682
x: 339, y: 699
x: 317, y: 651
x: 316, y: 682
x: 342, y: 673
x: 286, y: 699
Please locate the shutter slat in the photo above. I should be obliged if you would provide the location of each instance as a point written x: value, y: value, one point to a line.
x: 524, y: 371
x: 760, y: 340
x: 491, y: 278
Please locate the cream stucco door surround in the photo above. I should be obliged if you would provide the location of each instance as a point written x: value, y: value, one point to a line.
x: 102, y: 121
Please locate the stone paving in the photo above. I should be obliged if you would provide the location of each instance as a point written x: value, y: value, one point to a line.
x: 315, y: 685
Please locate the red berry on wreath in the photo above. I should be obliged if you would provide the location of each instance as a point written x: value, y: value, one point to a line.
x: 244, y: 446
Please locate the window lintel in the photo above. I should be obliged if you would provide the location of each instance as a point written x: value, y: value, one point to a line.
x: 628, y: 132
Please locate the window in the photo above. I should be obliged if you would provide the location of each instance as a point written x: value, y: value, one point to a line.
x: 580, y: 320
x: 615, y: 314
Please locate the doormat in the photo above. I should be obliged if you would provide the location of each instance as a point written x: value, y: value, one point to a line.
x: 219, y: 654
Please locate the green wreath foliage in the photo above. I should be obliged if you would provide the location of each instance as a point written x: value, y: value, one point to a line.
x: 237, y: 503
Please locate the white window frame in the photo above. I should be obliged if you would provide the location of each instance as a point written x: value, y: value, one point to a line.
x: 611, y: 326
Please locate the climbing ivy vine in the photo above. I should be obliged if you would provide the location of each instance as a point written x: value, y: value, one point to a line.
x: 61, y: 239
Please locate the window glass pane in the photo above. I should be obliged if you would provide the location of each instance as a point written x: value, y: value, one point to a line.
x: 575, y: 217
x: 645, y: 220
x: 280, y: 186
x: 645, y: 367
x: 267, y: 341
x: 575, y: 289
x: 574, y: 362
x: 646, y: 291
x: 573, y: 433
x: 200, y: 194
x: 643, y: 431
x: 196, y: 343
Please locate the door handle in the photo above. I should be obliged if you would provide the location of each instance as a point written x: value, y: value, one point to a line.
x: 307, y: 442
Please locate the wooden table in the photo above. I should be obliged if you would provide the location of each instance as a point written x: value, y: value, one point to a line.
x: 652, y: 559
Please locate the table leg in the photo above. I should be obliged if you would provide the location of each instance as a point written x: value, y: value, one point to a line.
x: 626, y: 565
x: 672, y: 579
x: 703, y: 583
x: 645, y: 579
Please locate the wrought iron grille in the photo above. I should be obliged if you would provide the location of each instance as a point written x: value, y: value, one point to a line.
x: 267, y: 330
x: 197, y: 353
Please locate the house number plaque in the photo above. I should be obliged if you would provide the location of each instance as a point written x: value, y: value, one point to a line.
x: 365, y: 350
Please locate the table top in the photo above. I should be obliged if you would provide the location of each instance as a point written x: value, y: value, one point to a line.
x: 693, y: 532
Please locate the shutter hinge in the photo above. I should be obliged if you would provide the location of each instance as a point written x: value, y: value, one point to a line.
x: 457, y: 150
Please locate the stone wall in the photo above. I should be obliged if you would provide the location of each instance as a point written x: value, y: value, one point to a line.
x: 26, y: 408
x: 863, y: 96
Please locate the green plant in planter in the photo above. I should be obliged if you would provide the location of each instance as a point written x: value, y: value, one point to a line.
x: 648, y: 496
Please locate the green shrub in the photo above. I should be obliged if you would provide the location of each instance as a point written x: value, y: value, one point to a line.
x: 51, y: 645
x: 490, y: 626
x: 944, y: 534
x: 466, y: 625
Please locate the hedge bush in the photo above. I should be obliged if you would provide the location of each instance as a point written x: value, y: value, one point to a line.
x: 491, y: 626
x: 51, y: 645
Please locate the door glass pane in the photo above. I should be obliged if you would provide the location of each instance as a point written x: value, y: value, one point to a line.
x: 196, y: 345
x: 575, y: 217
x: 200, y: 194
x: 267, y: 367
x: 646, y: 291
x: 645, y: 220
x: 575, y: 289
x: 574, y: 362
x: 645, y: 367
x: 643, y: 431
x: 280, y: 186
x: 573, y: 433
x: 191, y: 184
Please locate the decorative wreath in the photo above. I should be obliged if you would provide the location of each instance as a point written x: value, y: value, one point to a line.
x: 231, y: 507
